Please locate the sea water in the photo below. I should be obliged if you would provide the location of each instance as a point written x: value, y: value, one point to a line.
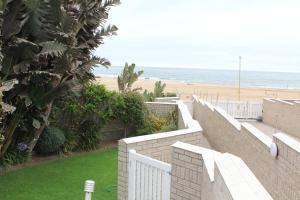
x: 284, y: 80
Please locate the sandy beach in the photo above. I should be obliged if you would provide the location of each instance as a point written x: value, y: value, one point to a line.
x: 209, y: 92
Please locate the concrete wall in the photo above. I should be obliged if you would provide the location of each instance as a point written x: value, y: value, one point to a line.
x: 280, y: 176
x: 113, y: 131
x: 203, y: 174
x: 283, y: 115
x: 158, y: 146
x: 162, y: 108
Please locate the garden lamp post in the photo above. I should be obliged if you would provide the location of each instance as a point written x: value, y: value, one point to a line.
x: 89, y: 189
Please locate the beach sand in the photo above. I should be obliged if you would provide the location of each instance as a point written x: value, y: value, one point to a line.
x: 208, y: 92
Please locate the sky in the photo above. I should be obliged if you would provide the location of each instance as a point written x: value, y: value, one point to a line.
x: 209, y: 34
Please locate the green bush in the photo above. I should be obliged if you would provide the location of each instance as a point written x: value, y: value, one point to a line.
x: 158, y: 124
x: 133, y: 113
x: 82, y: 117
x: 50, y: 141
x: 71, y: 141
x: 171, y: 94
x: 11, y: 157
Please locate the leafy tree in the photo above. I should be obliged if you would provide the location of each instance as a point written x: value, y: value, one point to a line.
x: 128, y: 77
x: 47, y: 46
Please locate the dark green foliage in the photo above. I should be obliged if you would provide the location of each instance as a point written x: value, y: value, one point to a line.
x: 71, y: 141
x: 12, y: 156
x: 47, y: 46
x: 134, y: 112
x: 50, y: 141
x: 170, y: 94
x: 83, y: 116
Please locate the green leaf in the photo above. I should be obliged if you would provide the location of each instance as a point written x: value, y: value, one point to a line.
x: 52, y: 48
x: 36, y: 123
x: 14, y: 18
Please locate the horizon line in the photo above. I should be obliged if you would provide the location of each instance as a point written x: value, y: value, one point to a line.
x: 206, y: 68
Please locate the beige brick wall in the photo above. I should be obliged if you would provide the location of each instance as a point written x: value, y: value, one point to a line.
x: 283, y: 115
x: 161, y: 109
x: 203, y: 174
x: 280, y: 176
x: 157, y: 146
x: 186, y: 174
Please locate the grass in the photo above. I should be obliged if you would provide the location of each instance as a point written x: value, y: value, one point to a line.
x: 64, y: 179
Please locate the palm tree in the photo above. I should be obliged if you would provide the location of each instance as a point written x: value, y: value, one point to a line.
x: 128, y: 77
x: 47, y: 47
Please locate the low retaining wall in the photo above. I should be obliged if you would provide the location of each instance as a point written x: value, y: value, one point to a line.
x: 162, y: 108
x: 158, y: 146
x: 283, y: 115
x: 280, y: 176
x: 199, y: 173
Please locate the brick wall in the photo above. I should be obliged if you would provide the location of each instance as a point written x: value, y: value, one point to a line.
x: 280, y: 176
x: 203, y: 174
x: 283, y: 115
x: 161, y: 108
x: 158, y: 146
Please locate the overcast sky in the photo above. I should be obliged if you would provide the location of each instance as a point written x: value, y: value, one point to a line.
x: 206, y: 34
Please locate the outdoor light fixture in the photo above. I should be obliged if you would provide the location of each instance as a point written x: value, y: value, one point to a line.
x: 273, y: 150
x: 89, y: 189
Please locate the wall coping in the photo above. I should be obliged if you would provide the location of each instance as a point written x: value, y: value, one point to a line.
x: 156, y: 136
x: 263, y: 138
x: 284, y: 102
x: 289, y: 141
x: 269, y: 99
x: 238, y: 178
x: 163, y: 103
x: 190, y: 124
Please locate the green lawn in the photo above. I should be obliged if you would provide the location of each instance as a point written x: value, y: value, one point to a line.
x: 64, y: 179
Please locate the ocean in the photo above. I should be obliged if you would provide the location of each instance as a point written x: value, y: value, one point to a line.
x: 283, y: 80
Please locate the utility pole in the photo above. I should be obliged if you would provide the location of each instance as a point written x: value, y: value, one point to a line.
x: 240, y: 66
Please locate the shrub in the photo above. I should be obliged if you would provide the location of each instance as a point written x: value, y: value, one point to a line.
x: 71, y: 141
x: 12, y: 156
x: 82, y: 117
x: 134, y: 112
x: 50, y: 141
x: 171, y: 94
x: 158, y: 124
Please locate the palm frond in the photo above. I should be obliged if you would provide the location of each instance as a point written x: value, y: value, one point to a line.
x: 108, y: 3
x: 14, y: 17
x: 52, y: 48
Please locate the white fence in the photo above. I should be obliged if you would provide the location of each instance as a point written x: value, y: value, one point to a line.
x: 148, y: 179
x: 241, y: 110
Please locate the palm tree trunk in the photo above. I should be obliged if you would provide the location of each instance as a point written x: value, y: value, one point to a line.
x: 39, y: 131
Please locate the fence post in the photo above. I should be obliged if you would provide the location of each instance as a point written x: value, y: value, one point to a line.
x: 89, y: 189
